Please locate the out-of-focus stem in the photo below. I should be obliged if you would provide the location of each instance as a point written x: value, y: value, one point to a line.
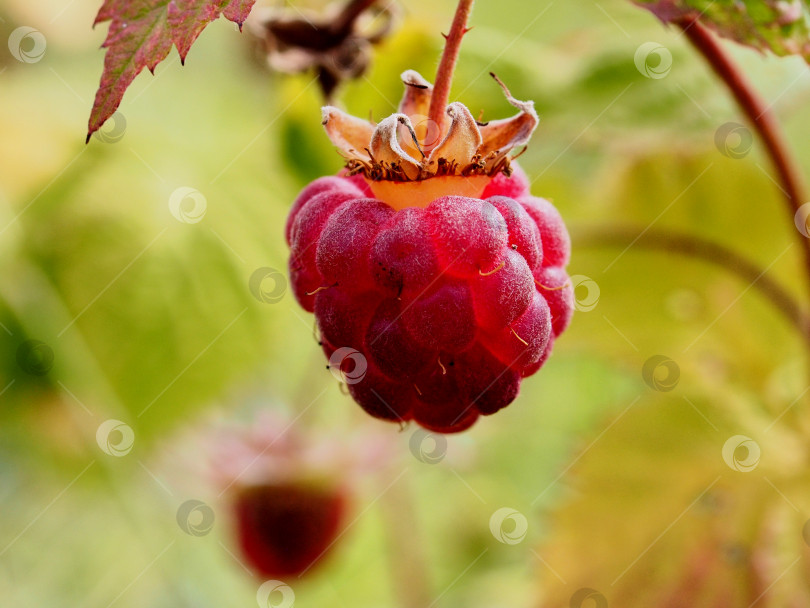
x: 346, y: 18
x: 707, y: 251
x: 762, y: 119
x: 406, y: 552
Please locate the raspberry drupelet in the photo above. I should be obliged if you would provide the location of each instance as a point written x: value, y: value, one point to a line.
x: 429, y: 256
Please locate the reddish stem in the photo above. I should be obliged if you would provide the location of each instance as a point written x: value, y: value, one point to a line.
x: 760, y: 116
x: 709, y: 252
x: 447, y: 65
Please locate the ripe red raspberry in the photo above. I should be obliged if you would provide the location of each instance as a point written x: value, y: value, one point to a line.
x: 437, y: 284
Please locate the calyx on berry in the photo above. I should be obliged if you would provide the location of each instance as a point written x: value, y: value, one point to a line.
x: 410, y: 147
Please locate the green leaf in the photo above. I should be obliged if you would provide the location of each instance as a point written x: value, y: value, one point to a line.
x: 661, y: 516
x: 767, y: 25
x: 141, y: 35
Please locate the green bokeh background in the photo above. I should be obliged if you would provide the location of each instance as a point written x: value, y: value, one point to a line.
x: 151, y: 320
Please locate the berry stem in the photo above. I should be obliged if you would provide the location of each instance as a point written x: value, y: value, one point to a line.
x: 706, y: 251
x: 762, y: 119
x: 447, y: 65
x: 409, y: 566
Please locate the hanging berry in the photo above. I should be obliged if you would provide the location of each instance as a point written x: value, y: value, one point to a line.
x: 289, y: 490
x: 437, y: 280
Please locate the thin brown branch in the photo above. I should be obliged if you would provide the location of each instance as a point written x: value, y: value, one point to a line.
x: 706, y: 251
x: 344, y: 21
x: 761, y: 118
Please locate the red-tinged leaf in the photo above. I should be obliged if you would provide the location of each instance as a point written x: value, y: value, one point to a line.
x: 238, y: 10
x: 187, y: 18
x: 141, y: 35
x: 768, y: 25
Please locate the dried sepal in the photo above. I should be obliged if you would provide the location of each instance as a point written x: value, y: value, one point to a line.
x: 351, y: 135
x: 408, y: 146
x: 460, y: 145
x: 387, y: 153
x: 501, y: 136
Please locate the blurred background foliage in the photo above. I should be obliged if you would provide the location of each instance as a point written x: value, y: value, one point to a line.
x: 151, y: 322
